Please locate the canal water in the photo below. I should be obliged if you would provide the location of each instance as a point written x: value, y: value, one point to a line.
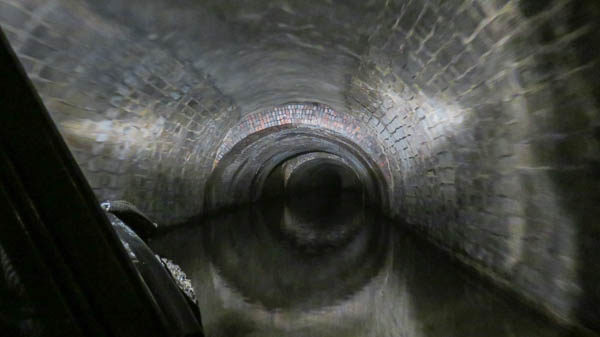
x: 322, y: 265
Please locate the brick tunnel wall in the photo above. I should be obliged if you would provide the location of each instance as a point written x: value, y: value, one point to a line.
x: 490, y: 109
x: 142, y: 123
x: 487, y: 111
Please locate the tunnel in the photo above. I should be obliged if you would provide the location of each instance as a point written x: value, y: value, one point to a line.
x: 340, y: 167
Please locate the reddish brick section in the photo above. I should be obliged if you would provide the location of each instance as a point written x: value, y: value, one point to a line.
x: 302, y: 114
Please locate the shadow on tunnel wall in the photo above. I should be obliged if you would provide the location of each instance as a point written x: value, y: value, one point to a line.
x: 574, y: 102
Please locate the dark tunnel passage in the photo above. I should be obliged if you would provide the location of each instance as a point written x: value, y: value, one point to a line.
x: 341, y: 168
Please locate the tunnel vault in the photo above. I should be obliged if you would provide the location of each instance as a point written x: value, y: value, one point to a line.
x: 474, y: 123
x: 264, y: 142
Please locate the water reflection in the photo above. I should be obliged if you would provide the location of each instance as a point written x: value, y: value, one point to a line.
x: 323, y: 265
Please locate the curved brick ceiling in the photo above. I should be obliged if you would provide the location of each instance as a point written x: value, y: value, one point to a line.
x: 263, y: 141
x: 486, y: 111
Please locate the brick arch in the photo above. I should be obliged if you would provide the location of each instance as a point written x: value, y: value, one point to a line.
x: 308, y: 114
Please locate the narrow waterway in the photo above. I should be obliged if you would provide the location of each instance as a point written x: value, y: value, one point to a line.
x: 323, y: 265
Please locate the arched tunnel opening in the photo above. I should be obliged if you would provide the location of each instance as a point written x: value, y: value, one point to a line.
x: 294, y: 161
x: 300, y: 168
